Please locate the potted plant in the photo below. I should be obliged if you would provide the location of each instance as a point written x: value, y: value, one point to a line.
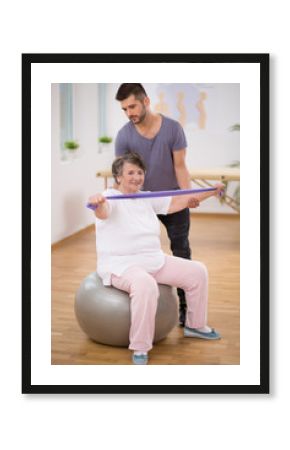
x: 104, y: 140
x: 235, y: 127
x: 69, y: 149
x: 71, y: 145
x: 236, y: 193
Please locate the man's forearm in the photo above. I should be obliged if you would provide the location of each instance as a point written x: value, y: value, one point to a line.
x: 183, y: 177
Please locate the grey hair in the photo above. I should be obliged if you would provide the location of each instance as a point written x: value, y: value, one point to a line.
x: 129, y: 157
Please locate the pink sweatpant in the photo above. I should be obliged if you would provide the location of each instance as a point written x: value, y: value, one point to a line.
x: 143, y: 290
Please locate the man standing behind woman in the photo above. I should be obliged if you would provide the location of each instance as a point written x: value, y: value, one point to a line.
x: 161, y: 143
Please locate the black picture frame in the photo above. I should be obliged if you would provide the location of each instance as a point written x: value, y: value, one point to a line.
x: 240, y: 58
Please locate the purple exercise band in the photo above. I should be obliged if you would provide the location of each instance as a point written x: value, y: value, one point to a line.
x: 153, y: 194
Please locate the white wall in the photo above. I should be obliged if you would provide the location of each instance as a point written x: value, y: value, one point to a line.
x: 73, y: 181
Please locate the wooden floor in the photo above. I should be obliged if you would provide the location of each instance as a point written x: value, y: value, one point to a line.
x: 214, y: 239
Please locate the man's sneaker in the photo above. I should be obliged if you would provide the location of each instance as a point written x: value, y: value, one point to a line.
x: 140, y: 359
x: 194, y: 333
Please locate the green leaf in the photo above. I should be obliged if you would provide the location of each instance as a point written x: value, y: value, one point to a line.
x: 235, y: 127
x: 105, y: 139
x: 71, y: 145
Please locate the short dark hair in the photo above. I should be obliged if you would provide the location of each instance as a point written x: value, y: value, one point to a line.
x: 127, y: 89
x: 129, y: 157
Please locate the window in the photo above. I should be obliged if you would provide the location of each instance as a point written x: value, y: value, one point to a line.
x: 66, y: 117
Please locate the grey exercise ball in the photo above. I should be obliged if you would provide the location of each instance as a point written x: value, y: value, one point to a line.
x: 103, y: 312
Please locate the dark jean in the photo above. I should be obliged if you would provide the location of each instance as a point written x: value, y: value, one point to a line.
x: 177, y: 226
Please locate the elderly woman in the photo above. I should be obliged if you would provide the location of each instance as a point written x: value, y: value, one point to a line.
x: 130, y: 257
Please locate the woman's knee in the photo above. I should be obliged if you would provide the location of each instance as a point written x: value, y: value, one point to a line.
x: 145, y: 285
x: 197, y: 274
x: 201, y: 269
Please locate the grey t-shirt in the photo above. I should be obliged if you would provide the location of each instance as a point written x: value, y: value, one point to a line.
x: 157, y: 153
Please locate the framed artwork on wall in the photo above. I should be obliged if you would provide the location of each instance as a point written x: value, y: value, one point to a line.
x: 222, y: 103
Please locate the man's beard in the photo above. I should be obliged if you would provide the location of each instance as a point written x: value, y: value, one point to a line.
x: 139, y: 118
